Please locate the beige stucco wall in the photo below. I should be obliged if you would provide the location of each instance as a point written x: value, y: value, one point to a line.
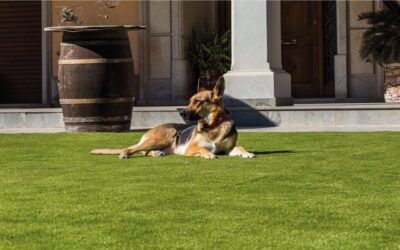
x: 199, y: 14
x: 164, y: 68
x: 356, y: 30
x: 166, y: 78
x: 365, y: 78
x: 127, y: 12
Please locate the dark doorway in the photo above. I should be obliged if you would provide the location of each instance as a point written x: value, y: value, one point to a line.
x: 304, y: 44
x: 224, y: 16
x: 20, y: 52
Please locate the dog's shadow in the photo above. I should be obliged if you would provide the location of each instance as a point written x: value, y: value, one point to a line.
x: 275, y: 152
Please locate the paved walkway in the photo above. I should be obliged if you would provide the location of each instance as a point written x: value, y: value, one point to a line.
x: 250, y: 129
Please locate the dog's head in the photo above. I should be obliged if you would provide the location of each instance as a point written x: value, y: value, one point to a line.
x: 206, y: 104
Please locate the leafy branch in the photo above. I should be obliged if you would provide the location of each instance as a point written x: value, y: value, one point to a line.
x: 209, y: 52
x: 381, y: 41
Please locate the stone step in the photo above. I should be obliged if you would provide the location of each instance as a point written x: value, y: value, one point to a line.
x: 297, y: 116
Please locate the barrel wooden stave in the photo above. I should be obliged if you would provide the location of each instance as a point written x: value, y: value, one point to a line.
x: 91, y: 110
x: 96, y: 81
x: 105, y: 80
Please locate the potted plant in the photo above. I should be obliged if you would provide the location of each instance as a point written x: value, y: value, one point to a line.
x: 210, y: 57
x: 381, y: 42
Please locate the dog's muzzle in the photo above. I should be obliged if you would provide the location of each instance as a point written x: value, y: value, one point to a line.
x: 188, y: 115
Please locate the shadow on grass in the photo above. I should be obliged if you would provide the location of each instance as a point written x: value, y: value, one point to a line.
x: 275, y: 152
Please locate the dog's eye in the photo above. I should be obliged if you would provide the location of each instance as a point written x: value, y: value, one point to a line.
x: 197, y: 101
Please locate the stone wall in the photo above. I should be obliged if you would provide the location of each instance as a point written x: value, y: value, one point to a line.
x: 392, y: 82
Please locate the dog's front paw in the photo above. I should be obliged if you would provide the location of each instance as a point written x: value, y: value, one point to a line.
x: 156, y: 153
x: 208, y: 156
x: 123, y: 156
x: 241, y: 152
x: 247, y: 155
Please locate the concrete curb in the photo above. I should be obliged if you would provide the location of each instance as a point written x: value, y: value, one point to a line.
x: 241, y: 129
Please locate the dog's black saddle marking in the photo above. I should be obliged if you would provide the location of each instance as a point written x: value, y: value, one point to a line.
x: 185, y: 135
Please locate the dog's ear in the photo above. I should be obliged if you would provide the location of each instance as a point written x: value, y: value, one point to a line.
x: 218, y: 90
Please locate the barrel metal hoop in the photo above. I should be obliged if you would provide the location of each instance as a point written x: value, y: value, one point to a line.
x: 99, y: 42
x: 87, y: 127
x: 95, y: 61
x: 97, y: 100
x: 98, y: 119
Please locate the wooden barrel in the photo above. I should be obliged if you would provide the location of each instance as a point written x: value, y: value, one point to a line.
x: 96, y: 81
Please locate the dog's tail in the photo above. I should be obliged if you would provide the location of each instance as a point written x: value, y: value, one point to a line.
x: 106, y: 151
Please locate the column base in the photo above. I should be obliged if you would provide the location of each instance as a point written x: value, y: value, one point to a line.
x: 257, y: 89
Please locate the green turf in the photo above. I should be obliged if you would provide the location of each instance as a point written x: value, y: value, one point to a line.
x: 304, y: 190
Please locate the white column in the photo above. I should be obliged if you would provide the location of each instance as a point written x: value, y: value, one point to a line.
x: 251, y: 82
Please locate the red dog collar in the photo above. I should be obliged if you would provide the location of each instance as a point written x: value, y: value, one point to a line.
x: 218, y: 122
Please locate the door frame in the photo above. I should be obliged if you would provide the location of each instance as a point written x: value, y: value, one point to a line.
x: 46, y: 53
x: 340, y: 59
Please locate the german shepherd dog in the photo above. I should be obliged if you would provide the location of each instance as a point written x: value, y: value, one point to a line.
x: 214, y: 133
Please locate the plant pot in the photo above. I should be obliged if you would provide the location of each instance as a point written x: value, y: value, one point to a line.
x: 207, y: 80
x: 392, y: 83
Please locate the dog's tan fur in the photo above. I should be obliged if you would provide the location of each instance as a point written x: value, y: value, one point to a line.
x: 209, y: 138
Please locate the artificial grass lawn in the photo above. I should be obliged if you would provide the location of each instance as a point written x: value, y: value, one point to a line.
x: 304, y: 190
